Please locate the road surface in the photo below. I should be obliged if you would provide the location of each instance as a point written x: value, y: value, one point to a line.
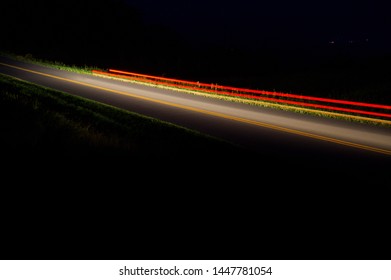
x: 269, y: 133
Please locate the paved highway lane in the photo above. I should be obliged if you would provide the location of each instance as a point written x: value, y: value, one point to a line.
x: 269, y: 133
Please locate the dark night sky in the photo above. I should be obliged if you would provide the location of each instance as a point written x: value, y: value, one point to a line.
x: 279, y: 22
x: 321, y: 47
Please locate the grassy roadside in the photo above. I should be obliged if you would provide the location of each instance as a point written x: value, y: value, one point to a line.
x: 40, y: 122
x: 52, y: 64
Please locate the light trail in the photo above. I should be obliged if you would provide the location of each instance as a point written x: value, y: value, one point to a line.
x: 267, y: 104
x: 261, y: 92
x: 296, y: 103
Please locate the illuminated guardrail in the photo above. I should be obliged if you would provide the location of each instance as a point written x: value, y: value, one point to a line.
x: 359, y: 108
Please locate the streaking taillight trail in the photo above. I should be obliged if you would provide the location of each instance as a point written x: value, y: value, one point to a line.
x: 346, y: 106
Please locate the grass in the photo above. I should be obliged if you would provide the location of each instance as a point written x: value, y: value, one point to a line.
x: 38, y: 122
x: 53, y: 64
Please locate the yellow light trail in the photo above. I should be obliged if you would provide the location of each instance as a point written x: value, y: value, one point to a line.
x: 216, y: 114
x: 262, y: 103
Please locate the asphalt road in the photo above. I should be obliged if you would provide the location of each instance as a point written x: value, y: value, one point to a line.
x: 269, y: 133
x: 330, y: 200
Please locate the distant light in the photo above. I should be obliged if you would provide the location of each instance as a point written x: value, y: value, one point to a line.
x: 331, y: 42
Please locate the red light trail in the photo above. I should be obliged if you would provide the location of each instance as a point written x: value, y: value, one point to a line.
x: 253, y: 94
